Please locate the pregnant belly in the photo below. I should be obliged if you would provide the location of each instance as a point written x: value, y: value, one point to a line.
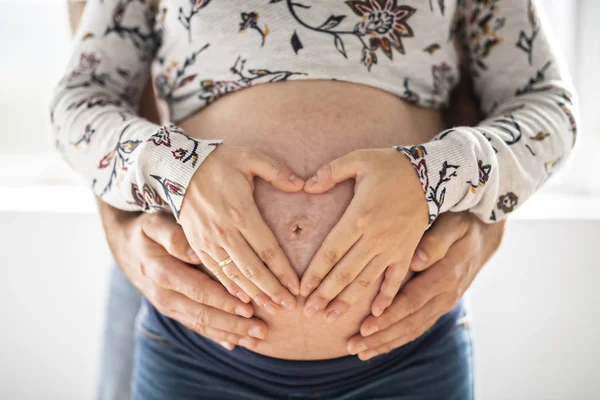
x: 306, y: 124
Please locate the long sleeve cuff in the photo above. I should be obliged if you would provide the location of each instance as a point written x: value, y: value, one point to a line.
x: 448, y: 171
x: 166, y: 163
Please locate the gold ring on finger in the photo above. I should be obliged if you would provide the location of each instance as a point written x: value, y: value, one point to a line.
x: 225, y: 262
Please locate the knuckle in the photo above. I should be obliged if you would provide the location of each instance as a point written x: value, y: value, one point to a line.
x: 235, y: 275
x: 325, y: 171
x: 343, y: 277
x: 267, y: 255
x: 199, y: 328
x: 330, y: 256
x: 202, y: 316
x: 364, y: 282
x: 252, y: 272
x: 197, y: 294
x: 237, y: 217
x: 220, y: 232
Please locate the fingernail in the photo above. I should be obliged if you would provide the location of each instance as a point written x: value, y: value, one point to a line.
x: 377, y: 311
x: 359, y: 348
x: 243, y: 297
x: 293, y: 289
x: 310, y: 311
x: 287, y: 304
x: 332, y: 316
x: 242, y: 312
x: 370, y: 330
x: 256, y: 332
x: 312, y: 181
x: 270, y: 308
x: 227, y: 345
x: 368, y: 354
x: 419, y: 259
x: 247, y: 342
x: 292, y: 177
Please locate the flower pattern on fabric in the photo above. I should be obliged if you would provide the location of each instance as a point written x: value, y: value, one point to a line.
x: 383, y: 25
x: 528, y: 103
x: 147, y: 199
x: 508, y: 202
x: 250, y: 21
x: 186, y: 17
x: 212, y: 90
x: 434, y: 194
x: 384, y: 22
x: 484, y: 175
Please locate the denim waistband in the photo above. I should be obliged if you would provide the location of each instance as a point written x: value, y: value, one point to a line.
x: 281, y: 375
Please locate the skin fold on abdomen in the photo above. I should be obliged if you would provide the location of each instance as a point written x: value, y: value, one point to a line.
x: 307, y: 124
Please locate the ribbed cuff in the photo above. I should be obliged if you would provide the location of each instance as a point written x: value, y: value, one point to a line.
x: 447, y: 170
x: 168, y: 161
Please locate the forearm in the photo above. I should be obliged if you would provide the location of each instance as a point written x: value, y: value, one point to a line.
x: 130, y: 162
x: 492, y: 168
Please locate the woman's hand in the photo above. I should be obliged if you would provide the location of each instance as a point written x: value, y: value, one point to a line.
x: 450, y: 255
x: 220, y: 219
x: 154, y: 254
x: 379, y: 230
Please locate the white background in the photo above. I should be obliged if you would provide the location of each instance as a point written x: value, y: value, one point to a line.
x: 535, y: 304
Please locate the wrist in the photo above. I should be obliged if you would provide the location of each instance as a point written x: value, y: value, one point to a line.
x: 169, y: 160
x: 446, y: 169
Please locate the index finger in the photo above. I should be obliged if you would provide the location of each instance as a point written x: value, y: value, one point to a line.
x: 264, y: 243
x: 337, y: 243
x: 412, y: 297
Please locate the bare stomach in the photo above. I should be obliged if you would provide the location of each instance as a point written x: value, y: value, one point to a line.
x: 306, y: 124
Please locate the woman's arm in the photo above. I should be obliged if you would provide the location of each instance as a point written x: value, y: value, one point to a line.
x: 531, y: 122
x: 131, y: 163
x: 115, y: 46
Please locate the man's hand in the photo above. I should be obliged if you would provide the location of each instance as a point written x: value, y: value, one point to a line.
x: 450, y: 255
x: 153, y: 252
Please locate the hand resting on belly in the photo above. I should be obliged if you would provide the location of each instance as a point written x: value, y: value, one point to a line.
x: 307, y: 124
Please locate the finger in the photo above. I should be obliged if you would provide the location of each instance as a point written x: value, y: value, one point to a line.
x: 344, y: 273
x: 337, y: 243
x: 247, y: 290
x: 261, y: 239
x: 401, y: 329
x: 400, y: 341
x: 226, y: 339
x: 334, y: 172
x: 447, y: 229
x: 164, y: 230
x: 340, y: 305
x: 394, y: 276
x: 217, y: 319
x: 413, y: 296
x: 273, y: 171
x: 220, y: 275
x: 255, y: 271
x: 171, y: 273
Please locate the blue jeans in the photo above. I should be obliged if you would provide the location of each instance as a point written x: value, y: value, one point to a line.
x: 440, y: 371
x: 436, y: 366
x: 123, y: 304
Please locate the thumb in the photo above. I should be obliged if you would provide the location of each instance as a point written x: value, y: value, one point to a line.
x: 447, y: 229
x: 274, y: 171
x: 334, y: 172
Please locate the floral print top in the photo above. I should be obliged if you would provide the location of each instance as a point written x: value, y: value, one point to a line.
x: 203, y: 49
